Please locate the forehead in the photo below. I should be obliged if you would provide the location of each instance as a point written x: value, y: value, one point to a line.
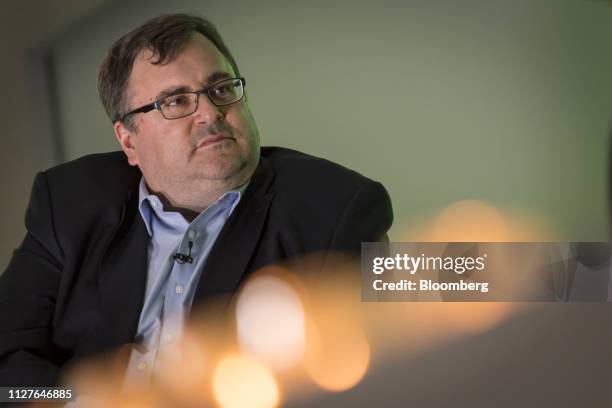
x: 193, y: 65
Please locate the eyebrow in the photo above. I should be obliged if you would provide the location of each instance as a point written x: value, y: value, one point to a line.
x: 217, y: 76
x: 172, y: 91
x: 214, y: 77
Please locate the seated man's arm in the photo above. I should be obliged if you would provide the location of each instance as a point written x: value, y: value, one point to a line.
x: 28, y: 294
x: 366, y: 218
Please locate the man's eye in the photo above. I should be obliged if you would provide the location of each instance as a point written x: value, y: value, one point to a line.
x: 222, y: 90
x: 176, y: 100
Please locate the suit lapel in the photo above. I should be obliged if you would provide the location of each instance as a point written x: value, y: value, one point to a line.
x: 229, y: 258
x: 122, y: 278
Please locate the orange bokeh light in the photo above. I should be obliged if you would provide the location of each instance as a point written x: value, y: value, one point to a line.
x: 337, y: 355
x: 241, y: 381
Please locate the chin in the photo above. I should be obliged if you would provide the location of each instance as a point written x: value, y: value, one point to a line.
x: 222, y: 169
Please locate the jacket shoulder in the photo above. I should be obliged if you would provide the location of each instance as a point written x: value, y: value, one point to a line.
x: 308, y: 183
x: 325, y: 205
x: 306, y: 171
x: 98, y: 176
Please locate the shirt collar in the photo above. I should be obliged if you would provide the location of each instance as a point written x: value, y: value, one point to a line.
x: 151, y: 206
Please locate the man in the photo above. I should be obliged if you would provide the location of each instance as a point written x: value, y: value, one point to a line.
x: 121, y: 245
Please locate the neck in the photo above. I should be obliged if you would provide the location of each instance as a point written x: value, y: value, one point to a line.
x: 191, y: 202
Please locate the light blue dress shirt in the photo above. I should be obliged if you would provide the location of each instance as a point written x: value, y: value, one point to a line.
x: 171, y: 285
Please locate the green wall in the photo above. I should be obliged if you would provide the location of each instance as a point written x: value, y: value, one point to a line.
x: 502, y: 101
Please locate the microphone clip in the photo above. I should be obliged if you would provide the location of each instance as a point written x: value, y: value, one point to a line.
x: 184, y: 258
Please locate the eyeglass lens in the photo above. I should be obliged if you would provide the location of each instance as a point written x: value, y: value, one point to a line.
x: 223, y: 93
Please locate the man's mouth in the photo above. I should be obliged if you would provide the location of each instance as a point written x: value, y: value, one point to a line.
x: 210, y: 140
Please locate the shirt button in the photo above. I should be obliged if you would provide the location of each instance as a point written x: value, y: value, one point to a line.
x: 141, y: 366
x: 154, y: 203
x: 179, y: 289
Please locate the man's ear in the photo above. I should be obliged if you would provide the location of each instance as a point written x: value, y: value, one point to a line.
x: 126, y: 140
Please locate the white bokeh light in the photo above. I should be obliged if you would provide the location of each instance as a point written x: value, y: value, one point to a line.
x: 270, y: 322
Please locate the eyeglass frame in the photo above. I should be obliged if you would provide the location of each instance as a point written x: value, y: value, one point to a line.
x: 157, y: 104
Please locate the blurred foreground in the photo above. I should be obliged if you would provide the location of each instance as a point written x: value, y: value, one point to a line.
x: 308, y: 341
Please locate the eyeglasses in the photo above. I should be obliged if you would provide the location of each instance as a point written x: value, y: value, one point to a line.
x: 183, y: 104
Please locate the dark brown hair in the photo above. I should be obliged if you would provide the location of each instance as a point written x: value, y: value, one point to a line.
x: 165, y: 36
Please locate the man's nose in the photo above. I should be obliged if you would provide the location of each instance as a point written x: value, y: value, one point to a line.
x: 207, y: 111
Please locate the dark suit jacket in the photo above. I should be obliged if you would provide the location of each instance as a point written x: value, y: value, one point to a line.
x: 76, y: 284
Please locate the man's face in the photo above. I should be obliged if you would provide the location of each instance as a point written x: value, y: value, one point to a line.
x: 214, y: 144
